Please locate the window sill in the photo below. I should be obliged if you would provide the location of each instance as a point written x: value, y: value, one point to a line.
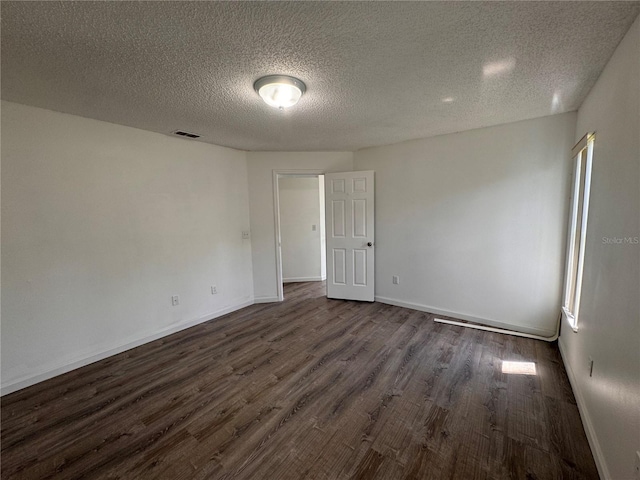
x: 571, y: 319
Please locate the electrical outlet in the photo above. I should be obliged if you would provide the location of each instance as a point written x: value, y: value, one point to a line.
x: 214, y: 289
x: 245, y: 235
x: 313, y: 228
x: 396, y: 280
x: 636, y: 469
x: 590, y: 367
x: 175, y: 300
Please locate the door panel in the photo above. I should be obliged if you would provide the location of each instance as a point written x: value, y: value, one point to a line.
x: 339, y: 266
x: 339, y: 228
x: 337, y: 185
x: 360, y: 267
x: 349, y: 198
x: 359, y: 218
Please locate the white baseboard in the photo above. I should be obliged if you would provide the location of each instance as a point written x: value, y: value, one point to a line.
x: 464, y: 316
x: 302, y: 279
x: 266, y: 299
x: 603, y: 471
x: 32, y: 379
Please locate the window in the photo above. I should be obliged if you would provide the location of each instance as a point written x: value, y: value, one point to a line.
x: 582, y: 160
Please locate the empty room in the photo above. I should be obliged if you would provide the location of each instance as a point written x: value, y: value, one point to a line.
x: 320, y: 240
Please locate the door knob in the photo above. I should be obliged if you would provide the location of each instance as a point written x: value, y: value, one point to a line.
x: 369, y: 244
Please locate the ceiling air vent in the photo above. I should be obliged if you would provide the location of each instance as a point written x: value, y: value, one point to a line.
x: 185, y: 134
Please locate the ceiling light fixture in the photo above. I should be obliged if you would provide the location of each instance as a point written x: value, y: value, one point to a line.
x: 280, y: 91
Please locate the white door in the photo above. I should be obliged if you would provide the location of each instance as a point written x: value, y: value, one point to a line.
x: 349, y: 231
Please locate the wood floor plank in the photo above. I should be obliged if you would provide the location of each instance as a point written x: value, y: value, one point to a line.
x: 308, y: 388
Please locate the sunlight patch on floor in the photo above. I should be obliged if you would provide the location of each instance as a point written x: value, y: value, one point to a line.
x: 519, y: 368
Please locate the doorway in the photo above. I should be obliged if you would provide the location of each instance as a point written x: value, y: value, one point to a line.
x: 300, y: 228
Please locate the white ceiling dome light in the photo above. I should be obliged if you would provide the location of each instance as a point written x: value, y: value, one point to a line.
x: 280, y: 91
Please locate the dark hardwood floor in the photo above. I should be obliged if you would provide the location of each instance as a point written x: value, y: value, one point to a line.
x: 309, y: 388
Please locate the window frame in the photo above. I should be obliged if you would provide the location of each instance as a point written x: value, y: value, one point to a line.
x: 582, y: 159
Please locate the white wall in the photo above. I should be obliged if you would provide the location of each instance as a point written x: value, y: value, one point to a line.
x: 609, y: 322
x: 301, y: 244
x: 261, y: 166
x: 474, y: 222
x: 101, y: 225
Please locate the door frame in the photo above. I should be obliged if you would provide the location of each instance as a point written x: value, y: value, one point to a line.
x: 277, y: 174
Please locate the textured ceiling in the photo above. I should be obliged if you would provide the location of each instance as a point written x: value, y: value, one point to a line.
x: 376, y: 72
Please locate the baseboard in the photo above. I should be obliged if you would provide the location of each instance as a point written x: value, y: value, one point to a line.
x: 302, y: 279
x: 596, y: 451
x: 463, y: 316
x: 266, y: 299
x: 29, y: 380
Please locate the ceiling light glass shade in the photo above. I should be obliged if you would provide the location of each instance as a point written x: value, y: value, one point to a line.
x: 280, y: 91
